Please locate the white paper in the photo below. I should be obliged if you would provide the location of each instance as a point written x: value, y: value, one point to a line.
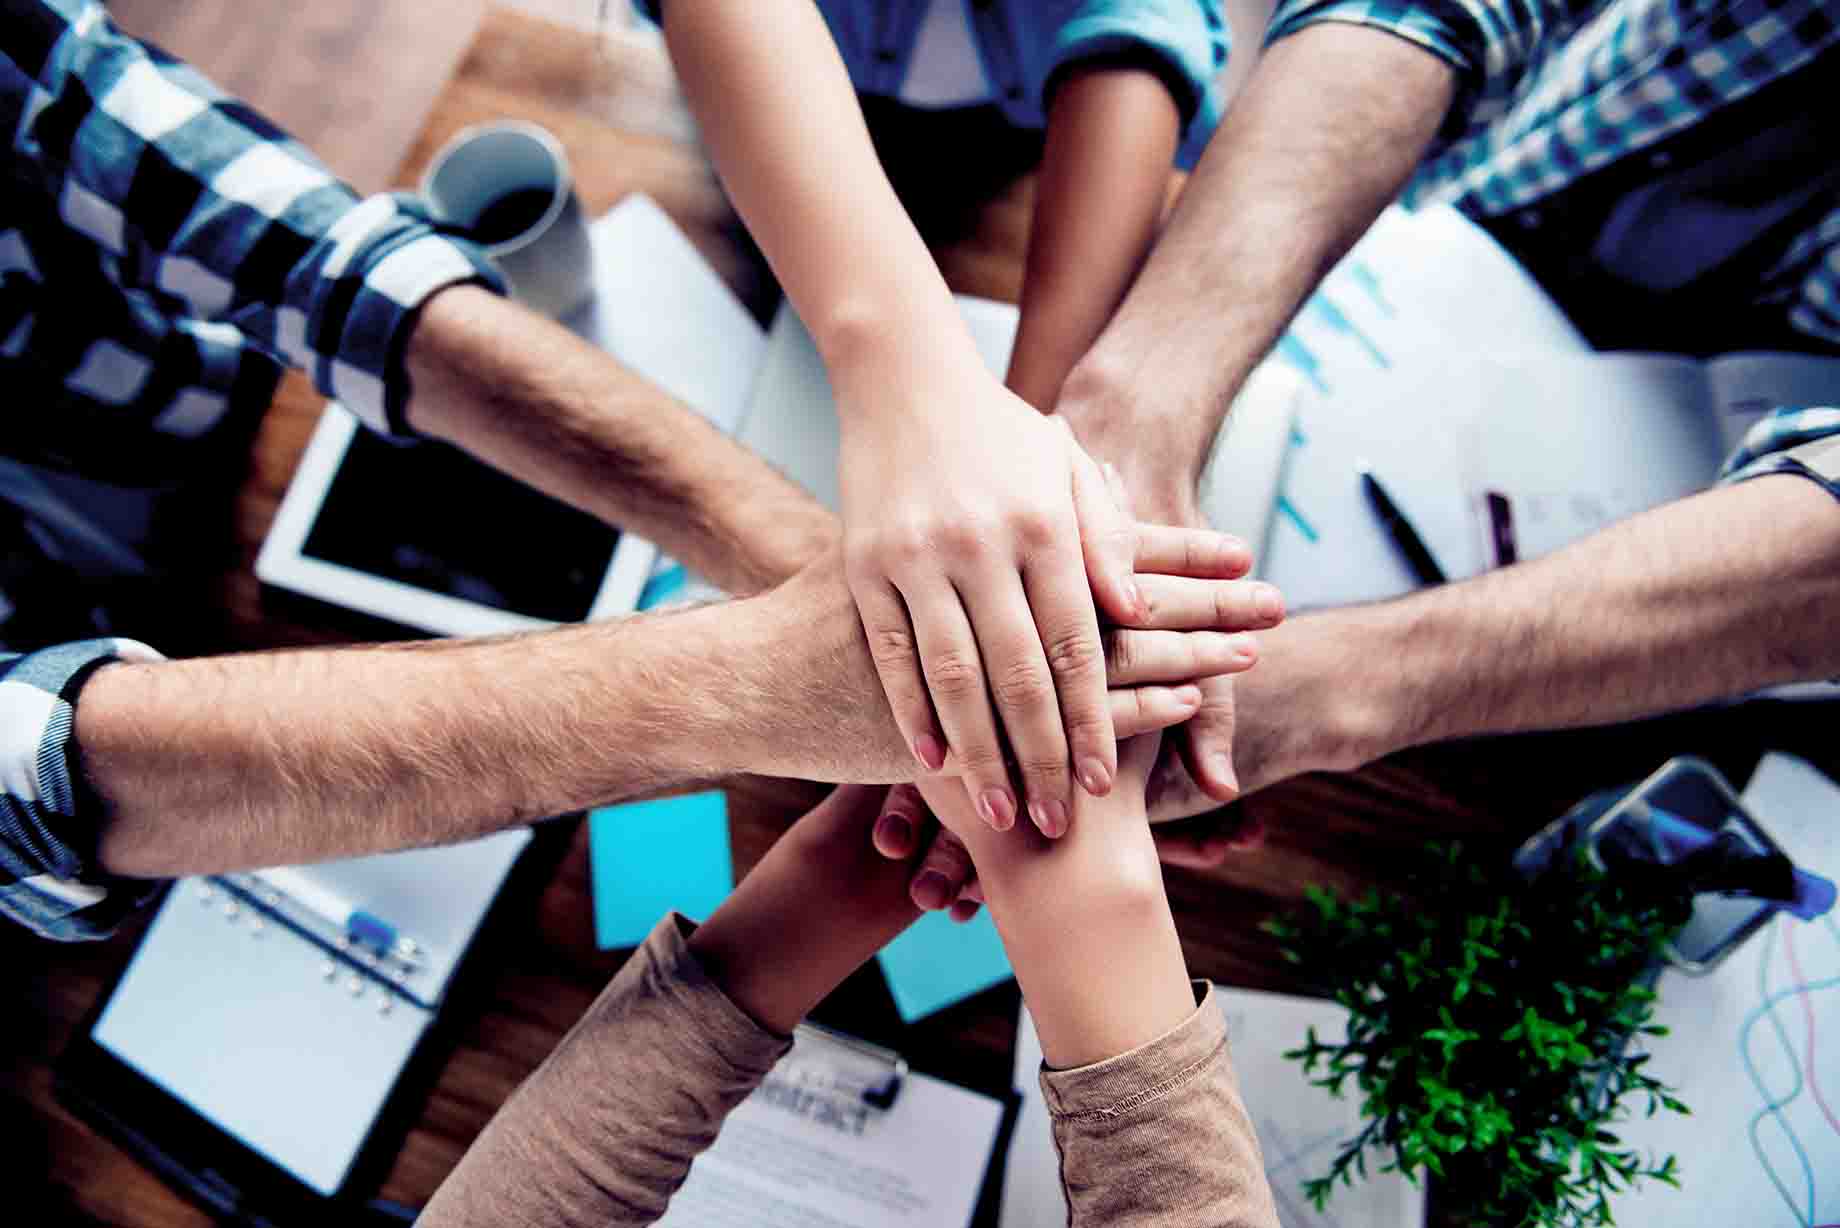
x: 662, y: 310
x: 1390, y: 347
x: 1746, y: 386
x: 1730, y: 1145
x: 1579, y: 443
x: 1299, y: 1126
x: 791, y: 1160
x: 1415, y: 428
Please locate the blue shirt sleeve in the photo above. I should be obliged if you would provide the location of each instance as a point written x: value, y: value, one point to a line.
x: 1186, y: 40
x: 49, y: 820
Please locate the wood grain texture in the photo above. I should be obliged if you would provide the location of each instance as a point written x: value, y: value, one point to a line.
x: 612, y: 99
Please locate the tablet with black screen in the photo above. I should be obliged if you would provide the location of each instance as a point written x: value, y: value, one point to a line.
x: 425, y: 536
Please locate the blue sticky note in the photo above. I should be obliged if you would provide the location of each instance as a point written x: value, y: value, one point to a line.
x: 666, y: 582
x: 936, y: 962
x: 647, y: 858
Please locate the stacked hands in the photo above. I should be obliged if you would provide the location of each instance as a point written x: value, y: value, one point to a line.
x: 1023, y: 625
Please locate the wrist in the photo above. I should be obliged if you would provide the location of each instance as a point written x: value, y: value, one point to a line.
x: 1103, y: 907
x: 1158, y: 448
x: 872, y: 352
x: 771, y: 540
x: 1352, y: 684
x: 803, y: 696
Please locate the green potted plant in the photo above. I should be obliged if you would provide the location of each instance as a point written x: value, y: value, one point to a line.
x: 1489, y: 1021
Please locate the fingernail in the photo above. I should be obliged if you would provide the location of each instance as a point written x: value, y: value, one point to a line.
x: 1050, y: 816
x: 997, y: 808
x: 931, y: 891
x: 894, y: 831
x: 1223, y: 768
x: 1135, y: 596
x: 1096, y: 778
x: 1188, y: 695
x: 929, y: 752
x: 1245, y: 649
x: 1268, y: 602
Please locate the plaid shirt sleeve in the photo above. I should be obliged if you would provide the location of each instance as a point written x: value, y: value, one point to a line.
x: 1490, y: 43
x: 48, y: 818
x: 191, y: 196
x: 1803, y: 441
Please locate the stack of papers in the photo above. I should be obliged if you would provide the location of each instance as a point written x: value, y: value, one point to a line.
x: 1433, y: 357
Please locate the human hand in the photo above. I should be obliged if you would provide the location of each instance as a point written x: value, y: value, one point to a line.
x: 820, y: 696
x: 967, y: 853
x: 1198, y: 759
x: 1296, y: 714
x: 1290, y: 720
x: 978, y: 537
x: 1190, y: 829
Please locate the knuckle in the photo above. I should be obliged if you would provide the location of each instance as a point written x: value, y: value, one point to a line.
x: 1072, y: 653
x: 949, y: 858
x: 1198, y: 554
x: 891, y: 646
x: 861, y: 564
x: 1022, y: 685
x: 961, y: 538
x: 1090, y: 727
x: 1228, y: 609
x: 903, y: 547
x: 954, y: 676
x: 982, y: 761
x: 1044, y: 771
x: 1034, y: 528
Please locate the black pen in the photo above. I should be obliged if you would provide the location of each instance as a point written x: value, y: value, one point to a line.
x: 1397, y: 527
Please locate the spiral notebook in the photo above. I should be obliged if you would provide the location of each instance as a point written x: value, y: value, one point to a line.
x: 272, y: 1023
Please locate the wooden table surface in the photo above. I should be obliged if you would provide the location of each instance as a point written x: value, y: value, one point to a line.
x: 613, y: 102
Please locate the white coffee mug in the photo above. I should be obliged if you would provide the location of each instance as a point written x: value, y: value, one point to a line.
x: 506, y: 184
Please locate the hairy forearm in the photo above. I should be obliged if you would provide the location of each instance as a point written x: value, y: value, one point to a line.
x: 1325, y: 133
x: 530, y: 398
x: 1098, y: 198
x: 274, y: 758
x: 788, y: 137
x: 1708, y: 598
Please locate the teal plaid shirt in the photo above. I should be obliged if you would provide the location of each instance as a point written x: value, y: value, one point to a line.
x: 1552, y: 90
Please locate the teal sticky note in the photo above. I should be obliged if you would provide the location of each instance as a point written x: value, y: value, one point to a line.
x: 647, y: 858
x: 666, y: 582
x: 936, y: 962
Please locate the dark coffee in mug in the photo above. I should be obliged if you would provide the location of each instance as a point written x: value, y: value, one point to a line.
x: 510, y: 215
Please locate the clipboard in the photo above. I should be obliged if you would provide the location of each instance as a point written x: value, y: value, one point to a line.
x: 262, y: 1070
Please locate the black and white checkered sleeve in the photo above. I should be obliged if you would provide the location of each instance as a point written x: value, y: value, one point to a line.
x: 191, y: 195
x: 49, y: 881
